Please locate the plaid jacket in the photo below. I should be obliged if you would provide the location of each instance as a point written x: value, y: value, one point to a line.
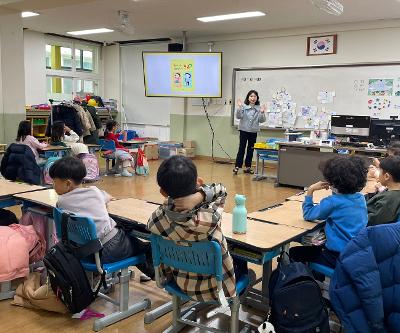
x: 202, y: 223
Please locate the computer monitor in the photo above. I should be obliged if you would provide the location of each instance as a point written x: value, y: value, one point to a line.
x: 382, y: 131
x: 351, y: 126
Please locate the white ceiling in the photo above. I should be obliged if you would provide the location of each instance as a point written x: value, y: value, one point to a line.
x: 167, y: 18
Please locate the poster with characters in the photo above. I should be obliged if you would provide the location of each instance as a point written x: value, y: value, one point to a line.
x: 182, y: 75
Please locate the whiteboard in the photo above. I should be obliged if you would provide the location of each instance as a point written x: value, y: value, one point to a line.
x: 138, y: 108
x: 311, y: 94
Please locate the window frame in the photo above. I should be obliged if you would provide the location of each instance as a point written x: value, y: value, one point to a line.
x: 95, y: 75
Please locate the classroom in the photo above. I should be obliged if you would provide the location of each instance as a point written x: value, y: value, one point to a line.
x: 200, y: 166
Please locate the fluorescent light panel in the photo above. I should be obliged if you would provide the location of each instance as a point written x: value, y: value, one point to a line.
x: 29, y: 14
x: 230, y: 16
x: 89, y: 32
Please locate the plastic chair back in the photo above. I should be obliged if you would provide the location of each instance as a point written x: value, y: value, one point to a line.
x: 106, y: 145
x: 81, y: 230
x: 196, y: 257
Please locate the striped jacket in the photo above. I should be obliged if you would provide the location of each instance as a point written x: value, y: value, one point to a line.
x: 202, y: 223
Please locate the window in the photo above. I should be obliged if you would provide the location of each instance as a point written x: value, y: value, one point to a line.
x: 72, y: 68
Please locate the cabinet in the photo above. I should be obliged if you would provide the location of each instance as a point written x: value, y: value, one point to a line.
x: 39, y: 121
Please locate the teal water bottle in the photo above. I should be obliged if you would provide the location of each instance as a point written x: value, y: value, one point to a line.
x: 239, y: 222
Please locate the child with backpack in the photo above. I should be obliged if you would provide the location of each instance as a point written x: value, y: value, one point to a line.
x: 345, y: 211
x: 68, y: 174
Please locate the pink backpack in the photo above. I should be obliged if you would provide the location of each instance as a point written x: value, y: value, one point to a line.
x: 46, y: 176
x: 92, y: 167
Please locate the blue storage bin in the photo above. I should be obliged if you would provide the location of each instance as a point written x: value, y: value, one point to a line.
x: 168, y: 149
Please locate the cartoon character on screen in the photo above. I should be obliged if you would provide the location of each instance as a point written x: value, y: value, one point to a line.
x: 177, y: 80
x: 188, y: 80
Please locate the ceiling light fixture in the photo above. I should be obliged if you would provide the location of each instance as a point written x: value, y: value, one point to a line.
x: 29, y: 14
x: 230, y: 16
x: 89, y: 32
x: 333, y: 7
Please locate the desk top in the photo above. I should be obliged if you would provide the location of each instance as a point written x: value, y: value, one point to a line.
x: 92, y: 145
x: 336, y: 147
x: 132, y: 142
x: 321, y: 194
x: 8, y: 188
x: 289, y: 213
x: 261, y: 236
x: 54, y: 148
x: 47, y: 198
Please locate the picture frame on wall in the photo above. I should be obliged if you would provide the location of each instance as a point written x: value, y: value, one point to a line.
x: 321, y: 45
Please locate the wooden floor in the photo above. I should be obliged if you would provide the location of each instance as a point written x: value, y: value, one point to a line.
x: 259, y: 195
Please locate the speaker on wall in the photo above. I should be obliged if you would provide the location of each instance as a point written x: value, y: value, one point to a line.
x: 175, y: 47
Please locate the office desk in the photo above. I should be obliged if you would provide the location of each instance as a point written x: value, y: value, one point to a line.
x: 298, y: 163
x: 54, y: 151
x: 289, y: 213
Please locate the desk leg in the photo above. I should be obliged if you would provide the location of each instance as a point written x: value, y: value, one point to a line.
x: 5, y: 290
x: 257, y: 161
x: 260, y: 299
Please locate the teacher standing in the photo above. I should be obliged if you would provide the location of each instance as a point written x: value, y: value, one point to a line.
x: 251, y: 115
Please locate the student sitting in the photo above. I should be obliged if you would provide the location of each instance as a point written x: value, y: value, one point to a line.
x: 67, y: 174
x: 122, y: 156
x: 392, y: 150
x: 384, y: 207
x: 192, y: 212
x: 345, y: 211
x: 25, y: 137
x: 62, y: 135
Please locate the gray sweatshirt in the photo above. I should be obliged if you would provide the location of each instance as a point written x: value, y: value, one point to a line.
x: 250, y: 118
x: 90, y: 202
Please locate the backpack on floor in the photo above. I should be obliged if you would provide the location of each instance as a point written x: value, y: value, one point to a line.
x: 46, y: 176
x: 296, y: 303
x: 92, y: 167
x: 66, y: 274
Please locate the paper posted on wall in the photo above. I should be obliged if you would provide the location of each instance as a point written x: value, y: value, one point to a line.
x: 289, y: 115
x: 326, y: 97
x: 274, y: 119
x: 308, y: 113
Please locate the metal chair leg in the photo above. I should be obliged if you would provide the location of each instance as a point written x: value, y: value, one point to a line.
x: 235, y: 307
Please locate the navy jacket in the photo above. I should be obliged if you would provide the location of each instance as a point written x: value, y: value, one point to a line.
x: 68, y: 115
x: 19, y: 163
x: 365, y: 289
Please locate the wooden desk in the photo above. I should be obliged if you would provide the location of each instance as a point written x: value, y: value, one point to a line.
x: 289, y: 213
x: 54, y: 151
x: 321, y: 194
x: 8, y: 189
x: 46, y: 198
x: 131, y: 210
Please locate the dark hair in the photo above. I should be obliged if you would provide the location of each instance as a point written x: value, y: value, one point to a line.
x: 57, y: 131
x: 246, y: 101
x: 110, y: 124
x: 177, y: 176
x: 24, y: 129
x: 391, y: 165
x: 348, y: 174
x: 394, y: 147
x: 68, y: 168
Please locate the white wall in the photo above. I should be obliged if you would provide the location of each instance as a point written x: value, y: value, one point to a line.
x: 35, y: 67
x: 361, y: 42
x: 112, y: 77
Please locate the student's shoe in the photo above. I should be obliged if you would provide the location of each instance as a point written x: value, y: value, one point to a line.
x: 248, y: 170
x: 144, y: 278
x: 126, y: 173
x: 235, y: 171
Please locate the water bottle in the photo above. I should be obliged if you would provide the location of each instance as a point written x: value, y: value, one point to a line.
x: 239, y: 222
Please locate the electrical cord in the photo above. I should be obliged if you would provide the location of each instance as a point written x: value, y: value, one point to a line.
x: 213, y: 134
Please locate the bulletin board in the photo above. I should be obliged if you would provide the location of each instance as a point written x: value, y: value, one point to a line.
x: 306, y: 97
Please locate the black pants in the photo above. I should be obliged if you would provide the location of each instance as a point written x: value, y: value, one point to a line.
x: 249, y: 139
x: 318, y: 254
x: 124, y: 245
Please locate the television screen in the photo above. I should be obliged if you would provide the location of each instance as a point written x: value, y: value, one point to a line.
x: 350, y: 125
x: 182, y: 74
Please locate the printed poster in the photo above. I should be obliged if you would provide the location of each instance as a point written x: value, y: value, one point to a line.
x: 182, y: 75
x: 380, y: 87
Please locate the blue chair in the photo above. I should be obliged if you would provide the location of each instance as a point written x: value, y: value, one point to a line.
x: 327, y: 271
x: 197, y: 257
x: 107, y: 145
x: 82, y: 230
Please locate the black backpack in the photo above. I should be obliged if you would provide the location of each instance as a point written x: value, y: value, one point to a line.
x: 296, y: 303
x: 67, y: 276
